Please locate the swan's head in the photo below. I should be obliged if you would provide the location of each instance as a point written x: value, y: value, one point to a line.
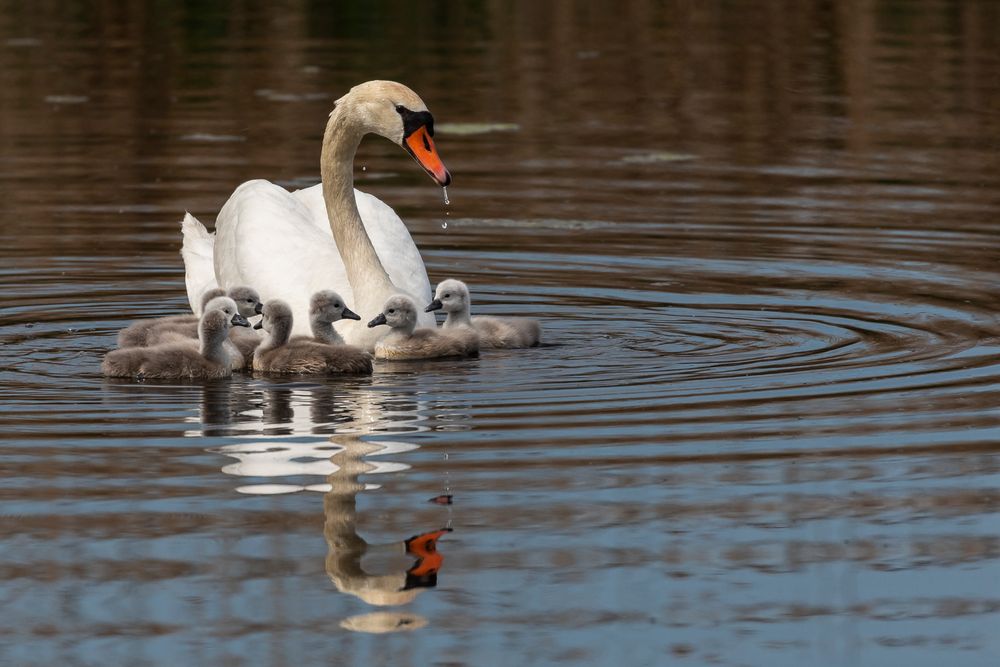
x: 277, y: 316
x: 247, y: 300
x: 399, y: 312
x: 227, y: 307
x: 398, y: 114
x: 451, y: 296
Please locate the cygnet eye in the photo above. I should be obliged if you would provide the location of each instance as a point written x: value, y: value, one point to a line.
x: 447, y: 296
x: 336, y: 305
x: 392, y: 310
x: 249, y: 300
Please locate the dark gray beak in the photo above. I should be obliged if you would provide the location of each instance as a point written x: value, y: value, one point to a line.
x: 239, y: 321
x: 349, y: 314
x: 259, y: 325
x: 259, y: 308
x: 434, y: 305
x: 377, y: 321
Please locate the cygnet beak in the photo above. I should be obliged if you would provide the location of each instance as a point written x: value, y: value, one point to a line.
x: 434, y: 305
x: 377, y: 321
x: 259, y: 308
x: 259, y: 325
x: 349, y: 314
x: 239, y: 321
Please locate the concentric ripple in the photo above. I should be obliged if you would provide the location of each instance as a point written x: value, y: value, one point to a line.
x: 763, y: 427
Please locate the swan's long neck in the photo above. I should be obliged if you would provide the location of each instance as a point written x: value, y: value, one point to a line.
x: 323, y: 331
x: 340, y: 142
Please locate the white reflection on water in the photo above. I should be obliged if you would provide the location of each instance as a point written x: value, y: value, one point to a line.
x: 291, y: 417
x: 389, y: 574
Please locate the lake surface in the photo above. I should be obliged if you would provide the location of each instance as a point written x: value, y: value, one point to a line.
x: 763, y: 242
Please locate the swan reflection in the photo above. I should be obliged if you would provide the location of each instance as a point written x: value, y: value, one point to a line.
x: 282, y: 446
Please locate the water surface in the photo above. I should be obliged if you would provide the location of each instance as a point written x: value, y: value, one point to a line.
x: 762, y: 240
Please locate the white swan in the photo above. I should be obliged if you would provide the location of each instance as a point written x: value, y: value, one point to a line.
x: 288, y: 245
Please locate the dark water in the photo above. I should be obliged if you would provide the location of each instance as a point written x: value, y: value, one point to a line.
x: 763, y: 235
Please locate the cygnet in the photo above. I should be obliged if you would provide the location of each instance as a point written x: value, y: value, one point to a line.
x: 238, y: 348
x: 179, y: 360
x: 138, y: 333
x: 452, y: 296
x: 325, y: 308
x: 405, y: 341
x: 277, y: 354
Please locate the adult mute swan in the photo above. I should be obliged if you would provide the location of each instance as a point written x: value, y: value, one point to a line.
x: 289, y: 245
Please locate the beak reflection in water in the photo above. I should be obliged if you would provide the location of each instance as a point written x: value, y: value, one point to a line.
x: 403, y: 568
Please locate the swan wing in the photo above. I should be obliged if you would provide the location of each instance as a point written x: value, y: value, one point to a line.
x: 197, y: 249
x: 266, y: 239
x: 280, y: 243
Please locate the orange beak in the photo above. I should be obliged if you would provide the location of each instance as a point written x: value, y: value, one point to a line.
x: 421, y: 147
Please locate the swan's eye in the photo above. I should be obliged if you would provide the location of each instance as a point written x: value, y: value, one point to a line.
x: 400, y: 108
x: 336, y: 305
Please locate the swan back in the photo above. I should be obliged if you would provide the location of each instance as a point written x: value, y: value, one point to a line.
x: 197, y: 249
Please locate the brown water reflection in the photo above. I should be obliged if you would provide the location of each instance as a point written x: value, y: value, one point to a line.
x: 763, y: 236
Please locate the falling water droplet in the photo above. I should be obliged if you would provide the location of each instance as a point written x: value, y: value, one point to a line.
x: 444, y: 225
x: 364, y: 168
x: 446, y: 200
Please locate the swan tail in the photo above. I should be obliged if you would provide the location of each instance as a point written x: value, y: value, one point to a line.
x: 197, y: 249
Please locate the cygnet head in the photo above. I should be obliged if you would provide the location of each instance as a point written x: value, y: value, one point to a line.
x: 210, y: 294
x: 451, y: 296
x: 327, y: 306
x: 227, y: 307
x: 247, y: 300
x: 398, y: 114
x: 399, y: 312
x: 277, y: 317
x: 213, y: 328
